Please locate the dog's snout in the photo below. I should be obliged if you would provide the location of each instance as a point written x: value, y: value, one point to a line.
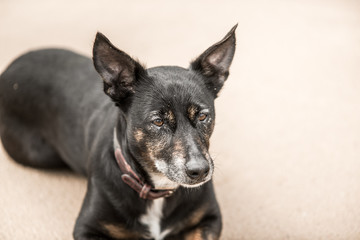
x: 197, y: 169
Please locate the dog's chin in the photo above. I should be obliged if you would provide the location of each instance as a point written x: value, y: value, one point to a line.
x: 161, y: 181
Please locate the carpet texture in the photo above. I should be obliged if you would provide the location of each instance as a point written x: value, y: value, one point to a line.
x: 287, y: 138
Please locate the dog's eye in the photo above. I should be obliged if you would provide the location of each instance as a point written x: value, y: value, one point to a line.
x: 202, y: 116
x: 158, y: 122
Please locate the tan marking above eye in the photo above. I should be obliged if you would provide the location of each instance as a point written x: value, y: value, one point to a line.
x: 192, y: 112
x: 158, y: 122
x: 170, y: 116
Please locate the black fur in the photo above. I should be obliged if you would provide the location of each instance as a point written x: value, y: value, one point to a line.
x: 54, y: 114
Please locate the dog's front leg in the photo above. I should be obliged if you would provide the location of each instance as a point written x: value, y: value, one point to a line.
x: 92, y: 238
x: 208, y: 229
x: 98, y: 220
x: 208, y: 232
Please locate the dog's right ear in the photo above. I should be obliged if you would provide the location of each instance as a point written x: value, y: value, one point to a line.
x: 117, y: 69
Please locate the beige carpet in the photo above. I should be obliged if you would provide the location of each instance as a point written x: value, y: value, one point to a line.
x: 287, y: 140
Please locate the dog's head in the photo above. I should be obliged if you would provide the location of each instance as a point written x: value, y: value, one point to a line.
x: 169, y: 111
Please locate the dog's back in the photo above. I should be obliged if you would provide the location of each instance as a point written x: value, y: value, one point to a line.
x: 42, y: 111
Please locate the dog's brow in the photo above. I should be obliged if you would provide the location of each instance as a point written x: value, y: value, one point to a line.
x: 192, y: 110
x: 170, y: 116
x: 154, y: 113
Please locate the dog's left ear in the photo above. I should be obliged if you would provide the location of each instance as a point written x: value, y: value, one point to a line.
x: 215, y: 62
x: 118, y: 70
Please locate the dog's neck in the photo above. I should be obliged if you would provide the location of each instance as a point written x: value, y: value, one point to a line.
x: 121, y: 142
x: 133, y: 179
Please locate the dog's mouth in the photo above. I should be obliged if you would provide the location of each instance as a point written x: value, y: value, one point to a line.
x: 163, y: 182
x: 195, y: 185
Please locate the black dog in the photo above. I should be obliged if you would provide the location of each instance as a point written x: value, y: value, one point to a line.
x: 147, y: 162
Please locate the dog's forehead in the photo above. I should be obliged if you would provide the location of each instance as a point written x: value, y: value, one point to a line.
x: 168, y: 72
x: 178, y: 84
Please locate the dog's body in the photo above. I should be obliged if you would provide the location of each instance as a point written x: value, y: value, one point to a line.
x: 53, y: 113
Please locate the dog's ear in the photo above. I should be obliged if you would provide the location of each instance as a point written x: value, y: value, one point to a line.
x: 215, y: 62
x: 118, y: 70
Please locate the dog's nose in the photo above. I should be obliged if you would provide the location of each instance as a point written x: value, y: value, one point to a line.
x: 197, y: 169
